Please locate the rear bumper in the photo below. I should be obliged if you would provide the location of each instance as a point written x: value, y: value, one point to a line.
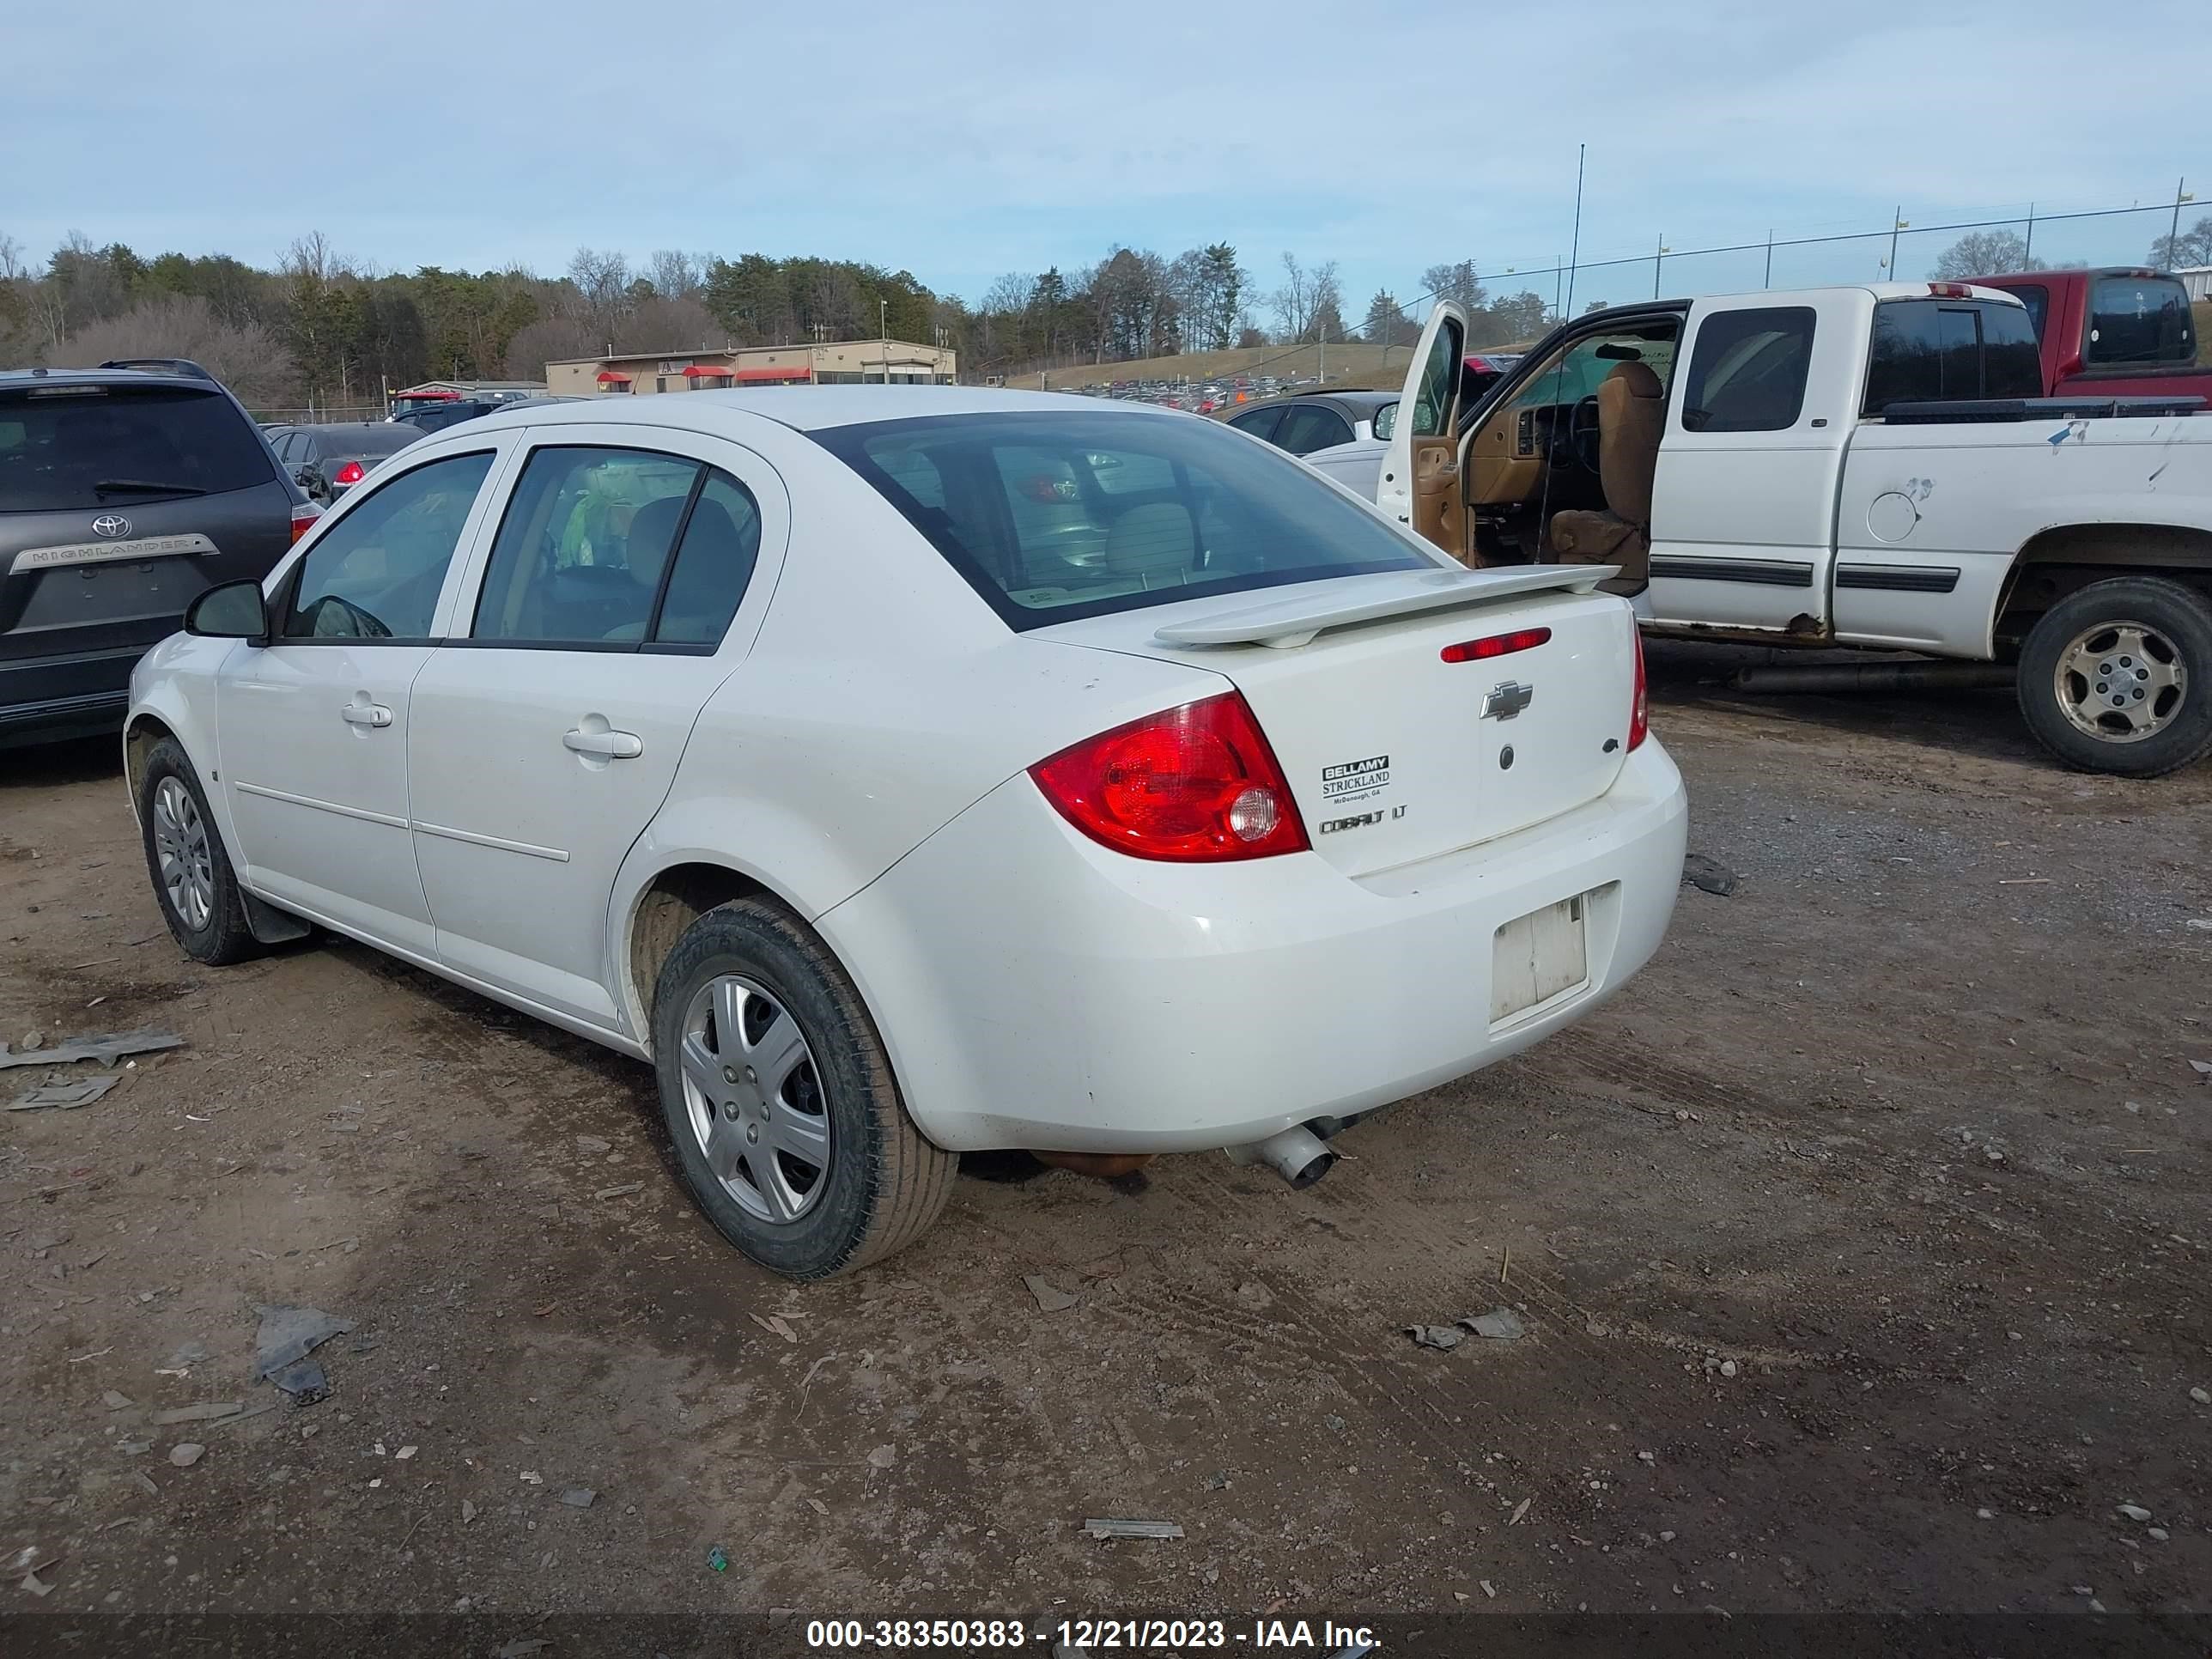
x: 1037, y: 990
x: 45, y: 698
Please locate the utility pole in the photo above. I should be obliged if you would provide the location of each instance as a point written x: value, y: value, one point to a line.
x: 1575, y: 252
x: 1657, y: 259
x: 884, y: 318
x: 1768, y: 280
x: 1897, y: 223
x: 2173, y: 236
x: 2028, y: 252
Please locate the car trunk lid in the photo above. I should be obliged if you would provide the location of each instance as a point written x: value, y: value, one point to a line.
x: 1402, y: 737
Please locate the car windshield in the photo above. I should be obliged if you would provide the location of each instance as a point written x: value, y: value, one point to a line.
x: 1054, y: 516
x: 59, y: 443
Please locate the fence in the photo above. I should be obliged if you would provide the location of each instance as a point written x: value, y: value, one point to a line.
x: 1904, y: 250
x: 315, y: 415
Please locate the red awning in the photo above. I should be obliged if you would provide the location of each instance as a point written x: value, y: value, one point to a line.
x: 708, y: 372
x: 798, y: 372
x: 613, y: 377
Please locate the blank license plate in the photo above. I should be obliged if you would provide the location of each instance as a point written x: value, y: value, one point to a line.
x: 1536, y: 957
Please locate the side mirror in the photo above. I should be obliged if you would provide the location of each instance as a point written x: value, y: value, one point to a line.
x: 231, y: 610
x: 1385, y: 420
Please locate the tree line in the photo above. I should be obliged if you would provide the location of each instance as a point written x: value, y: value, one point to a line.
x: 318, y: 329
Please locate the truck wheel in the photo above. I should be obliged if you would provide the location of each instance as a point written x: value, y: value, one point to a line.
x: 2117, y: 678
x: 779, y: 1101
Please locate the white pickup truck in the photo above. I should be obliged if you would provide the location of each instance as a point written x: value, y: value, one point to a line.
x: 1868, y: 466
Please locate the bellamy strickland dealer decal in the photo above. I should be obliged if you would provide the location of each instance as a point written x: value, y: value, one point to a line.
x: 1355, y: 780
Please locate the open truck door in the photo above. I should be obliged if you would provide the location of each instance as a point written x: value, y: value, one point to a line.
x: 1420, y: 486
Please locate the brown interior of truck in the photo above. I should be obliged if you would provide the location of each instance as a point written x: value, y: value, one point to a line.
x: 1561, y: 470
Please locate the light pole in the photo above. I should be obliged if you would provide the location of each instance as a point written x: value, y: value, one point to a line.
x: 884, y: 318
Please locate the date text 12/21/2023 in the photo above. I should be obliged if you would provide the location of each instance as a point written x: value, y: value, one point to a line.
x: 1088, y: 1635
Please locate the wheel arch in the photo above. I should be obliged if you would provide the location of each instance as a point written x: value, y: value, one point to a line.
x: 656, y: 915
x: 2061, y: 560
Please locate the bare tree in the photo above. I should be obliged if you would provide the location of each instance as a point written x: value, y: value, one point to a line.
x: 1293, y: 301
x: 675, y: 274
x: 250, y: 360
x: 11, y: 259
x: 602, y: 278
x: 1983, y: 253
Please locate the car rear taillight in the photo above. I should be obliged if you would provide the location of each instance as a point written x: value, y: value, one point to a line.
x: 303, y: 519
x: 350, y: 473
x: 1639, y: 709
x: 1196, y: 784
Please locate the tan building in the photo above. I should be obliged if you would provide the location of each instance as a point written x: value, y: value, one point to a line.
x: 841, y: 362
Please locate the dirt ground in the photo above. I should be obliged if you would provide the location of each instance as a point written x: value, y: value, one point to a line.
x: 1862, y: 1246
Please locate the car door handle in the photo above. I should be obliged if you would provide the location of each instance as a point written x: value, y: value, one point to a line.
x: 366, y: 713
x: 612, y: 745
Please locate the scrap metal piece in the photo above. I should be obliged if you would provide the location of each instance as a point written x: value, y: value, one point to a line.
x: 65, y: 1096
x: 1133, y: 1528
x: 105, y: 1050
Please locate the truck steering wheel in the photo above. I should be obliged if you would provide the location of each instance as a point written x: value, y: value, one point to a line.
x: 1582, y: 432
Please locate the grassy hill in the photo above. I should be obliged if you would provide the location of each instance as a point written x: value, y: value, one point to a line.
x: 1352, y: 365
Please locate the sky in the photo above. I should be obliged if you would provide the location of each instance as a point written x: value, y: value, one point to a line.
x: 970, y: 138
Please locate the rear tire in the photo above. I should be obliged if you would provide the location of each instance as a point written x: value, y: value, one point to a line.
x: 193, y: 881
x: 2117, y: 678
x: 779, y: 1099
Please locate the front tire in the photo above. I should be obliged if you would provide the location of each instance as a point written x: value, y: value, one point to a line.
x: 779, y: 1099
x: 193, y: 881
x: 2117, y: 678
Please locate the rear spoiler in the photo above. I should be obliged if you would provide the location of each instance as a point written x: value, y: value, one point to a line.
x: 1294, y: 622
x: 1957, y: 411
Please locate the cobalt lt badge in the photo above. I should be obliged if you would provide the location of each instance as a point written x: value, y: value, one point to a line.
x: 111, y: 525
x: 1507, y: 699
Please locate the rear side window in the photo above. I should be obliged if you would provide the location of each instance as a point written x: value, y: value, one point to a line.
x: 2140, y: 320
x: 1748, y: 372
x: 2036, y: 298
x: 375, y: 574
x: 1051, y: 517
x: 1924, y: 350
x: 68, y: 447
x: 583, y: 554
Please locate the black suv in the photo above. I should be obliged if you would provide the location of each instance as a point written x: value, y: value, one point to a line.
x: 124, y: 490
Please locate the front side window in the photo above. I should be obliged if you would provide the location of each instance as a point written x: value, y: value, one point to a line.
x: 1029, y: 520
x: 1748, y: 370
x: 1260, y: 423
x: 1311, y: 427
x: 582, y: 556
x: 375, y: 574
x: 1432, y: 399
x: 2140, y: 320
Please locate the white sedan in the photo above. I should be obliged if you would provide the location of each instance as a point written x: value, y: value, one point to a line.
x: 906, y: 771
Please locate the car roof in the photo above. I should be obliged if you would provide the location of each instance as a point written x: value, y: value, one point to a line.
x: 10, y: 377
x: 809, y: 408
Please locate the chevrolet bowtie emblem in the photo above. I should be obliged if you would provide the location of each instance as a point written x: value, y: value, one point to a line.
x: 1506, y: 700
